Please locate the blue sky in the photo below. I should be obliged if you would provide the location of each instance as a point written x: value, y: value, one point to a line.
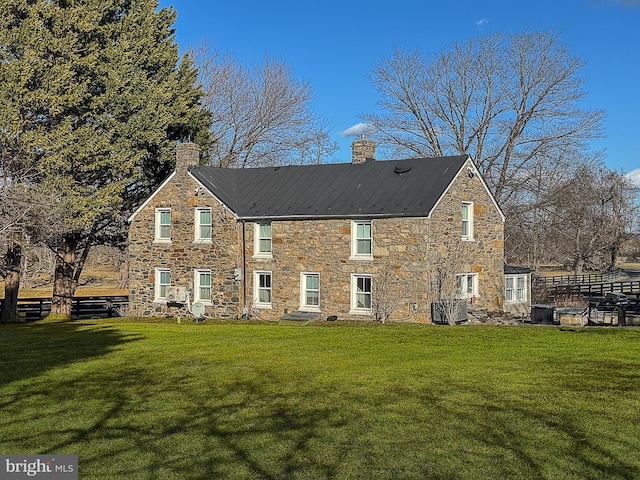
x: 333, y: 45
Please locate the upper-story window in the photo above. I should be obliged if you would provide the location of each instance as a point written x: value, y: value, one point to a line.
x: 361, y: 240
x: 467, y: 220
x: 467, y: 285
x: 203, y: 224
x: 163, y: 225
x: 262, y: 239
x: 515, y: 289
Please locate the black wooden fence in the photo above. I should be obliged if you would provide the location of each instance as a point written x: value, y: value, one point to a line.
x: 630, y: 287
x: 108, y: 306
x: 555, y: 280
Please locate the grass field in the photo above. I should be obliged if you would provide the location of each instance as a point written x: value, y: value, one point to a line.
x: 165, y: 401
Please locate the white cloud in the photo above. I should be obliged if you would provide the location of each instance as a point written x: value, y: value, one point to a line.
x: 481, y: 22
x: 357, y: 130
x: 634, y: 176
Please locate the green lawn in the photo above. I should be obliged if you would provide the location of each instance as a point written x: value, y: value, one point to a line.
x: 156, y: 401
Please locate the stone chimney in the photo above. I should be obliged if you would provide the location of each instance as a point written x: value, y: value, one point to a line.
x: 187, y: 155
x: 362, y: 150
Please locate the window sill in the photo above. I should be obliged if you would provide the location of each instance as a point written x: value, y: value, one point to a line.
x: 206, y: 303
x: 263, y: 306
x: 264, y: 256
x: 162, y: 242
x: 361, y: 312
x: 203, y: 241
x: 361, y: 257
x: 468, y: 239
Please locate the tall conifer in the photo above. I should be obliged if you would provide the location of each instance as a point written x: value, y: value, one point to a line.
x: 95, y: 94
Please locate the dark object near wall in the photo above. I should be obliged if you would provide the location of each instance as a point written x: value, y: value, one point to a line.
x: 542, y: 314
x: 439, y: 311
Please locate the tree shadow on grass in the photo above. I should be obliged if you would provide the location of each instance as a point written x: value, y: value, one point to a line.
x: 563, y: 437
x: 150, y: 420
x: 30, y: 350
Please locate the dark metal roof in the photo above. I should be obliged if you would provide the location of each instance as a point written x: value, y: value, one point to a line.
x: 371, y: 189
x: 512, y: 270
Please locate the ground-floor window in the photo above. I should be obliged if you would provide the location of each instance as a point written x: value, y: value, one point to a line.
x: 515, y: 289
x: 162, y: 281
x: 202, y: 286
x: 361, y: 293
x: 309, y: 291
x: 262, y: 289
x: 467, y: 285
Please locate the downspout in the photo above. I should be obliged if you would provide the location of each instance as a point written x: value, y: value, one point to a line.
x: 245, y: 310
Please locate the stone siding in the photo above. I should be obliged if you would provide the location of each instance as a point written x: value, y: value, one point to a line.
x: 483, y: 255
x: 183, y: 255
x: 403, y: 245
x: 324, y: 247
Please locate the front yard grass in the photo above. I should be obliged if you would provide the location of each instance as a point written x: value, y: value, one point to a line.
x: 165, y: 401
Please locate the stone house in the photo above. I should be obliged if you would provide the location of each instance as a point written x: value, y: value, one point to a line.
x: 317, y: 240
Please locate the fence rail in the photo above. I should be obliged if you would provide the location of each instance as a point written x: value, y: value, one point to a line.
x: 554, y: 280
x: 630, y: 287
x: 107, y: 306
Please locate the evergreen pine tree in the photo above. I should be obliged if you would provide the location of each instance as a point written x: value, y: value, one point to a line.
x: 96, y: 96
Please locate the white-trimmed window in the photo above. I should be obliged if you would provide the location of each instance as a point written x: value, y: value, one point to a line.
x: 467, y: 285
x: 262, y: 289
x: 262, y: 239
x: 203, y: 225
x: 202, y: 286
x: 163, y: 225
x: 467, y: 220
x: 310, y: 291
x: 361, y: 239
x: 161, y: 282
x: 515, y: 289
x: 361, y: 294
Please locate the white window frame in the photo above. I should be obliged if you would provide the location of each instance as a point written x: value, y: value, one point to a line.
x: 466, y: 225
x: 518, y: 293
x: 463, y: 289
x: 199, y: 237
x: 158, y: 226
x: 257, y: 303
x: 197, y: 286
x: 304, y: 306
x: 355, y: 239
x: 158, y: 285
x: 258, y: 252
x: 355, y: 309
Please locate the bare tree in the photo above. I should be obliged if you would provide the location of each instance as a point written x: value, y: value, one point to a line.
x: 444, y: 281
x: 506, y: 100
x: 261, y: 115
x: 387, y: 295
x: 16, y: 209
x: 591, y: 216
x: 509, y: 100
